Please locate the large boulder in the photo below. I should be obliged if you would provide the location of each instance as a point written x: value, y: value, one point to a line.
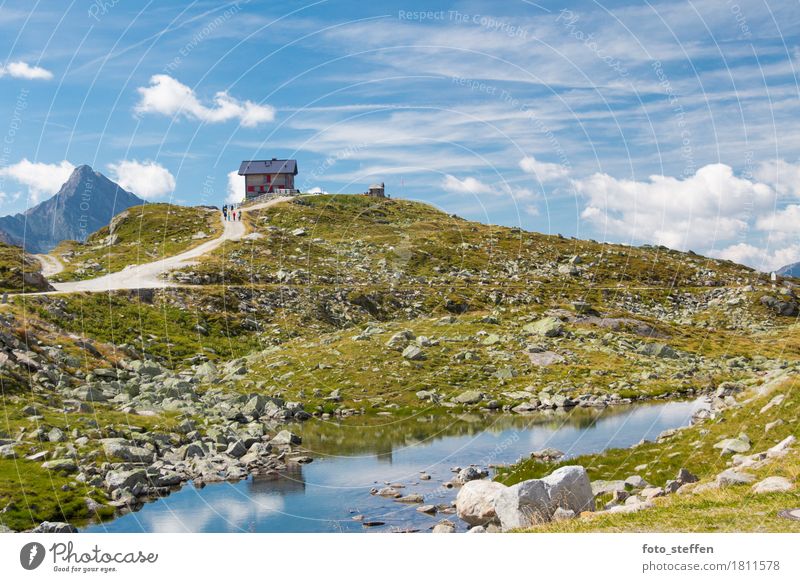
x: 547, y: 327
x: 125, y: 479
x: 122, y: 449
x: 475, y: 502
x: 536, y: 500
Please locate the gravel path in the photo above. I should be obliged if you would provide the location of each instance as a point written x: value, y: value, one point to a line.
x: 50, y: 265
x: 149, y: 275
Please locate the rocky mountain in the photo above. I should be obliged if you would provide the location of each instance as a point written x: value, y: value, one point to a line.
x: 85, y: 203
x: 792, y: 270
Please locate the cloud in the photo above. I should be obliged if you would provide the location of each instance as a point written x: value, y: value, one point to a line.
x: 169, y: 96
x: 235, y: 187
x: 710, y: 206
x: 760, y: 258
x: 468, y: 185
x: 21, y: 70
x: 781, y: 223
x: 317, y: 190
x: 782, y: 175
x: 40, y: 178
x: 148, y: 180
x: 544, y: 171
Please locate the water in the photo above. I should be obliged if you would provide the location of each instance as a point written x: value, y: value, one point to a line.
x: 354, y: 456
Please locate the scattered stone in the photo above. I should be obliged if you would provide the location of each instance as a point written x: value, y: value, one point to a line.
x: 445, y: 526
x: 772, y: 485
x: 730, y: 477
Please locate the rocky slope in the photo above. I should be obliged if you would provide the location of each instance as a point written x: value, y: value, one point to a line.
x: 140, y: 234
x: 335, y: 306
x: 85, y: 203
x: 20, y: 272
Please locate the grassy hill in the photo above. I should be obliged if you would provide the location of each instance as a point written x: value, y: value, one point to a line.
x: 338, y: 239
x: 390, y: 307
x: 140, y: 234
x: 20, y: 271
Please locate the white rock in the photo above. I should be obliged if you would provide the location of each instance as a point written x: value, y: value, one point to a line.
x: 772, y: 485
x: 475, y: 502
x: 536, y: 500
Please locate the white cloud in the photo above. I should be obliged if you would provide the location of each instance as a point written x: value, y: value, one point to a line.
x: 21, y: 70
x: 782, y: 175
x: 40, y: 178
x: 468, y: 185
x: 781, y: 223
x: 544, y: 171
x: 696, y: 212
x: 169, y: 96
x: 235, y: 187
x: 147, y: 180
x: 317, y: 190
x: 760, y: 258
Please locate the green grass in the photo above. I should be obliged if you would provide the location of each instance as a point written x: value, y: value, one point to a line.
x: 14, y: 264
x: 368, y: 239
x: 144, y: 234
x: 731, y: 509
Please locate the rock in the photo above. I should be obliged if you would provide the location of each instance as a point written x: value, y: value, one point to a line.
x: 657, y: 350
x: 470, y: 474
x: 651, y: 492
x: 445, y: 526
x: 399, y: 340
x: 468, y: 397
x: 630, y: 508
x: 60, y: 465
x: 685, y: 476
x: 120, y: 479
x: 601, y: 487
x: 477, y: 529
x: 59, y: 527
x: 636, y: 482
x: 56, y: 435
x: 236, y: 449
x: 388, y: 492
x: 772, y: 485
x: 780, y: 449
x: 475, y: 502
x: 299, y: 232
x: 547, y: 454
x: 730, y: 477
x: 410, y: 498
x: 286, y: 437
x: 545, y: 358
x: 547, y: 327
x: 561, y: 514
x: 740, y: 444
x: 192, y: 450
x: 122, y: 449
x: 7, y: 452
x: 414, y: 353
x: 429, y: 509
x: 535, y: 501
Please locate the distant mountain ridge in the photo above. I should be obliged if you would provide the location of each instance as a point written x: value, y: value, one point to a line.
x: 792, y: 270
x: 85, y: 203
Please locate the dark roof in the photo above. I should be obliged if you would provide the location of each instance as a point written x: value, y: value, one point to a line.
x: 272, y: 166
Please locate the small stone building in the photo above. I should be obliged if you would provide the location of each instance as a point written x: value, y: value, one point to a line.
x: 377, y: 191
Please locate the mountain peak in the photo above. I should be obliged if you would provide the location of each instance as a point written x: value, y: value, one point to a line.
x: 86, y: 202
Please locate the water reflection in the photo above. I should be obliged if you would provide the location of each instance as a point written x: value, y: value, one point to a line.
x: 354, y: 455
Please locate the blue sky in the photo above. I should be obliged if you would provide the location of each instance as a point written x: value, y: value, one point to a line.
x: 639, y: 122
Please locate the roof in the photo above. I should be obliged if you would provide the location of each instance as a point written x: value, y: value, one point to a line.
x: 273, y: 166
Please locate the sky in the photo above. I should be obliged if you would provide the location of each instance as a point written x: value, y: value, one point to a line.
x: 672, y: 123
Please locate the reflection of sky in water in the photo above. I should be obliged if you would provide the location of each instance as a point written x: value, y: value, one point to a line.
x: 324, y: 495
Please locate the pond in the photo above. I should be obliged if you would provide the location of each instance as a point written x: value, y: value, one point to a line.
x: 355, y: 455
